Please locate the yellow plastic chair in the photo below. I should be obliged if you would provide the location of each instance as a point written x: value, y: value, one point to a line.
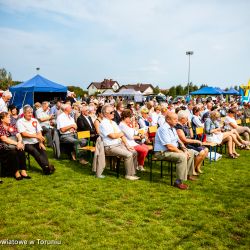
x: 88, y: 148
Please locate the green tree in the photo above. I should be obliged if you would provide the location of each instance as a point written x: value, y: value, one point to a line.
x: 172, y: 91
x: 77, y: 90
x: 203, y: 85
x: 156, y: 90
x: 179, y: 90
x: 5, y: 79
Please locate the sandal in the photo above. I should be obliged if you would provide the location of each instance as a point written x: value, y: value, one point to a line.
x: 236, y: 154
x: 242, y: 146
x: 232, y: 156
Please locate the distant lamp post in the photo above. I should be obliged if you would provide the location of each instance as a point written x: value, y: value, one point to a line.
x: 189, y: 53
x: 37, y: 70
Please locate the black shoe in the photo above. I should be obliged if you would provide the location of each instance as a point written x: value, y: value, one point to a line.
x: 52, y: 168
x: 1, y: 182
x: 49, y: 170
x: 46, y: 170
x: 19, y: 178
x: 25, y: 177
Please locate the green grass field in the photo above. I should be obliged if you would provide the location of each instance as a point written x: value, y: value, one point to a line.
x: 83, y: 212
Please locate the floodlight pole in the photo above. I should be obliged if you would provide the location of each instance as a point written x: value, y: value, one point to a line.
x: 189, y: 53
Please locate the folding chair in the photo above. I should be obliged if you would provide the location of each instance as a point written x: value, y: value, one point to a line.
x: 88, y: 148
x: 171, y: 165
x: 248, y: 122
x: 239, y: 122
x: 212, y: 146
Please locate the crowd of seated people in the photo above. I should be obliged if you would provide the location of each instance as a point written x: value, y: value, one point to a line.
x: 124, y: 129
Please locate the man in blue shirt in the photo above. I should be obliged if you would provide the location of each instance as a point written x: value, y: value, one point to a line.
x: 169, y: 147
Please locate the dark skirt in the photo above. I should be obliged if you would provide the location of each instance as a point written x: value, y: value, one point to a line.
x: 11, y: 161
x: 196, y: 147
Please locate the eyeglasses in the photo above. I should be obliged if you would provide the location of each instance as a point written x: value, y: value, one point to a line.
x: 111, y: 113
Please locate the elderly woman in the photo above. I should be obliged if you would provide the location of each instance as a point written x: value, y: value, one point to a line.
x: 214, y: 134
x: 132, y: 135
x: 12, y: 148
x: 144, y: 120
x: 185, y: 134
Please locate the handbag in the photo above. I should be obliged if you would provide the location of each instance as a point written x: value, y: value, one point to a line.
x: 8, y: 146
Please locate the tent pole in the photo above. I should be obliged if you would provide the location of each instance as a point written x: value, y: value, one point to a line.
x: 13, y: 98
x: 24, y: 99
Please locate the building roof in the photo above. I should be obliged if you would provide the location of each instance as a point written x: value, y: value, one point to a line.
x: 105, y: 84
x: 138, y: 87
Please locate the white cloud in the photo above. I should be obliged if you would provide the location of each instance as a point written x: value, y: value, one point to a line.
x: 111, y: 37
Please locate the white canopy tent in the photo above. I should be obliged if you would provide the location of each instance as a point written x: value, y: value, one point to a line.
x: 137, y: 95
x: 107, y: 92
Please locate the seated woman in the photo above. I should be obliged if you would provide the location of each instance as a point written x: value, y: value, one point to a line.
x: 185, y: 134
x: 98, y: 120
x: 196, y: 119
x: 13, y: 110
x: 144, y: 120
x: 12, y: 148
x: 214, y: 134
x: 132, y: 134
x: 230, y: 123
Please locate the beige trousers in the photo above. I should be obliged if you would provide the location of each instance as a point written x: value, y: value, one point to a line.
x: 130, y: 157
x: 184, y: 166
x: 244, y: 131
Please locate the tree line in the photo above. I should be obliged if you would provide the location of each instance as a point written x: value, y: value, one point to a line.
x: 6, y: 82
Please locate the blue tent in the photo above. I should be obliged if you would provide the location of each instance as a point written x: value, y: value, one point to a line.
x: 208, y: 91
x: 36, y: 89
x: 232, y: 91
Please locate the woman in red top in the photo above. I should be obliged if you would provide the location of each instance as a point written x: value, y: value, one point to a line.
x: 12, y: 153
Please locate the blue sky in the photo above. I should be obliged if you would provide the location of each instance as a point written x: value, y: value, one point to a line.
x: 75, y: 42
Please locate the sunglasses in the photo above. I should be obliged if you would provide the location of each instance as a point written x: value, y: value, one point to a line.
x: 111, y: 113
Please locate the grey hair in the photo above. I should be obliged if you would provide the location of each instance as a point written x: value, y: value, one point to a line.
x: 45, y: 102
x: 7, y: 93
x: 182, y: 114
x: 84, y: 106
x: 105, y: 107
x: 64, y: 106
x: 26, y: 108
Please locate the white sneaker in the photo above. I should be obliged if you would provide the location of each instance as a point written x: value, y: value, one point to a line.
x: 141, y: 168
x: 101, y: 176
x: 132, y: 178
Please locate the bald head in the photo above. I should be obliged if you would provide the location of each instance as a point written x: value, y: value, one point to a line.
x: 171, y: 119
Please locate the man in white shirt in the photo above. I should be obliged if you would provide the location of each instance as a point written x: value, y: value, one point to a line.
x: 67, y: 128
x: 44, y: 118
x: 33, y: 140
x: 6, y: 96
x: 115, y: 143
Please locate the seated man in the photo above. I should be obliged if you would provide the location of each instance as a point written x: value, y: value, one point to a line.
x: 115, y: 143
x: 67, y: 128
x: 85, y: 123
x: 44, y: 117
x: 169, y: 147
x: 33, y: 140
